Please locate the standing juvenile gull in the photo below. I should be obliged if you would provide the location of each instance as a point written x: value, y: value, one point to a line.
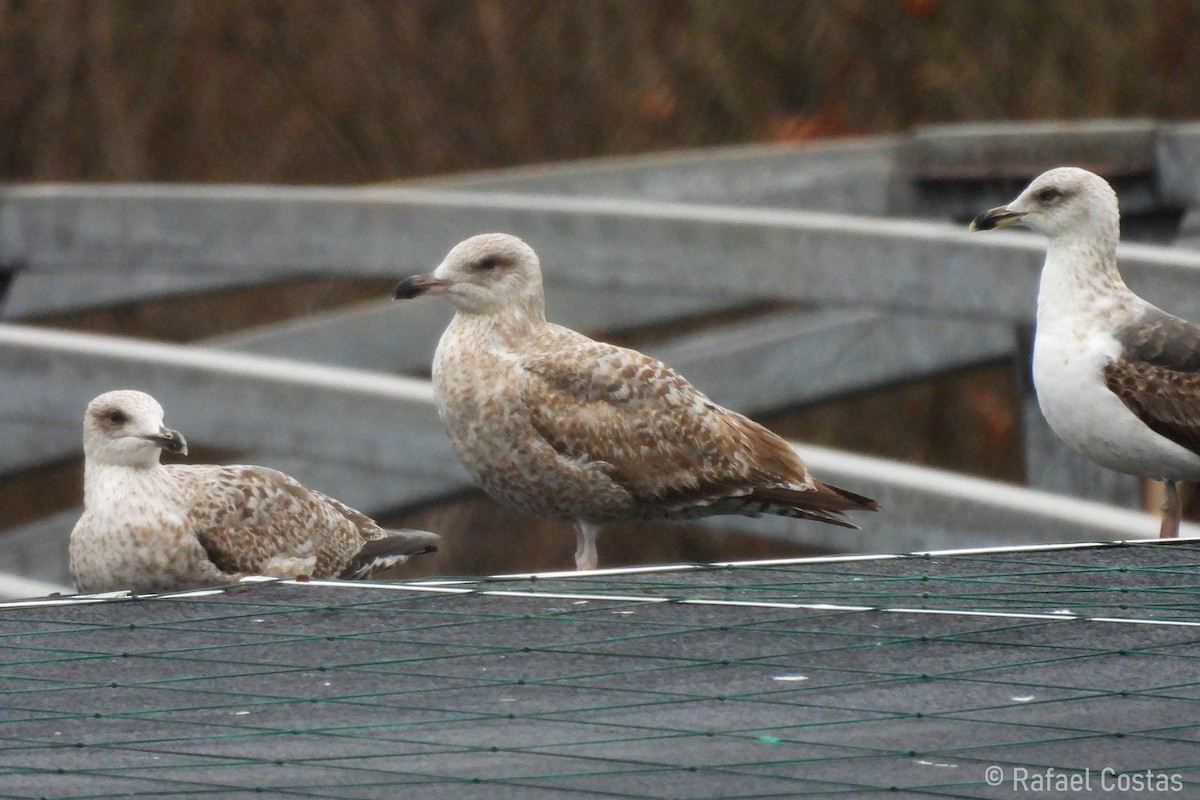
x: 558, y: 425
x: 1117, y: 378
x: 150, y: 527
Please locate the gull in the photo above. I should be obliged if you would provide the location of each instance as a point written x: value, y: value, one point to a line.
x: 1117, y: 378
x: 559, y: 425
x: 151, y: 527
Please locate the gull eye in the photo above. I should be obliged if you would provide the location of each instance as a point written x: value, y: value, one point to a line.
x: 489, y: 262
x: 117, y: 417
x: 1049, y: 194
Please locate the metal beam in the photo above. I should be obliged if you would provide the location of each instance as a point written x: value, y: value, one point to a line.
x: 37, y: 551
x: 766, y: 362
x: 785, y: 359
x: 233, y: 400
x: 1024, y: 149
x: 600, y: 242
x: 34, y: 293
x: 858, y: 176
x: 1178, y: 151
x: 401, y: 337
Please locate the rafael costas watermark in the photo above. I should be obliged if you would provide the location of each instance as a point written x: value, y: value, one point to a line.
x: 1049, y: 779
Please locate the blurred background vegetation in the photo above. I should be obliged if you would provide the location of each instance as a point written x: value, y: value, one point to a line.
x: 353, y: 91
x: 320, y: 91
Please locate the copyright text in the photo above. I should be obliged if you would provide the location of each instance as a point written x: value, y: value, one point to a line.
x: 1049, y: 779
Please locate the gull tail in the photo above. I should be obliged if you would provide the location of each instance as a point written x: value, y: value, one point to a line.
x: 823, y: 503
x: 395, y: 547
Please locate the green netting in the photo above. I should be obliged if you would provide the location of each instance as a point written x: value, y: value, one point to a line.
x: 915, y: 676
x: 1152, y: 581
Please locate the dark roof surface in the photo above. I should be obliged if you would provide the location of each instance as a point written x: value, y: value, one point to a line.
x: 885, y: 677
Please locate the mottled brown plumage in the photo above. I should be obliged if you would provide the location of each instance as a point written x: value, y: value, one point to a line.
x: 1165, y: 399
x: 1162, y: 339
x: 559, y: 425
x: 153, y: 527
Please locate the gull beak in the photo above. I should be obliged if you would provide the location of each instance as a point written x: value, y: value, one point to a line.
x: 418, y: 285
x: 996, y: 218
x: 169, y: 440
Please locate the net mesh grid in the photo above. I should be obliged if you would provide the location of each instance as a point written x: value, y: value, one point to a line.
x: 891, y: 676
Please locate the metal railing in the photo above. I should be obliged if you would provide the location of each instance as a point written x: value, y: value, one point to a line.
x: 888, y: 294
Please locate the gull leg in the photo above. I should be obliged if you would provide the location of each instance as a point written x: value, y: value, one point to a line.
x: 585, y: 549
x: 1171, y: 511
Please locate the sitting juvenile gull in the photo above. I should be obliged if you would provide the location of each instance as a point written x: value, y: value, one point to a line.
x: 150, y: 527
x: 558, y: 425
x: 1117, y: 378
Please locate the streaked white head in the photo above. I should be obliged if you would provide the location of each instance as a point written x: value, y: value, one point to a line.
x: 1063, y: 202
x: 486, y: 274
x: 125, y: 428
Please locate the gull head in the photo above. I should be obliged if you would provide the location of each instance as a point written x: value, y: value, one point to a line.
x: 486, y: 274
x: 126, y: 428
x: 1066, y: 201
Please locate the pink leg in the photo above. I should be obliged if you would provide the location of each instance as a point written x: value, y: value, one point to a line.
x: 585, y: 550
x: 1171, y: 511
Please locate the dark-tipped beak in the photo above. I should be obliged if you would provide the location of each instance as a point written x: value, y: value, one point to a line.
x: 416, y: 286
x: 169, y: 440
x: 995, y: 218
